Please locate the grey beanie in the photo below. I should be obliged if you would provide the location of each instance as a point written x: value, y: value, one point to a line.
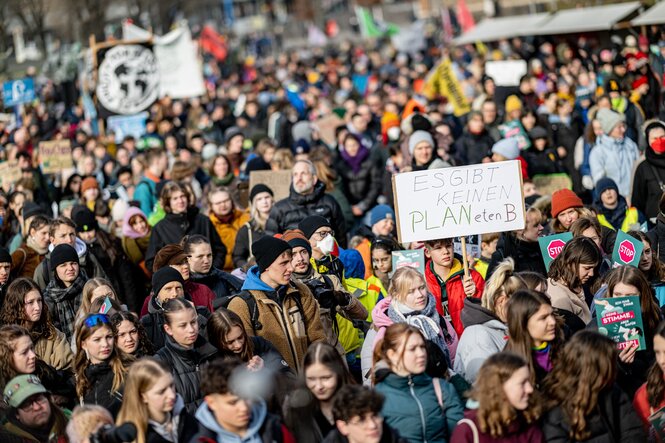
x: 508, y: 147
x: 609, y: 119
x: 417, y: 137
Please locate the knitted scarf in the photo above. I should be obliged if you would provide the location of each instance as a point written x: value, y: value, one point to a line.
x: 67, y: 302
x: 426, y: 320
x: 224, y: 181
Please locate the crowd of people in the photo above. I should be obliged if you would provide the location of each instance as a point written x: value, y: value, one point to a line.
x: 150, y: 284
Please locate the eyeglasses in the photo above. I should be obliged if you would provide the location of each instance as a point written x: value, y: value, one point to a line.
x: 96, y: 319
x: 28, y: 404
x: 323, y: 234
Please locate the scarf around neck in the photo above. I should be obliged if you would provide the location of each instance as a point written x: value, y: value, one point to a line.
x: 356, y: 161
x: 426, y: 320
x: 67, y: 301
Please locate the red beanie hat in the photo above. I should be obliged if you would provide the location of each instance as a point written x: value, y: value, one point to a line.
x: 564, y: 199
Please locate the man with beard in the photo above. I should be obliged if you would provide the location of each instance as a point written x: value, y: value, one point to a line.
x: 307, y: 197
x: 32, y: 416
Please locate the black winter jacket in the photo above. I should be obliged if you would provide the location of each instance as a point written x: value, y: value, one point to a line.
x: 646, y: 187
x: 241, y: 250
x: 288, y: 212
x: 100, y: 380
x: 657, y: 237
x: 613, y: 420
x: 527, y: 255
x: 363, y: 187
x: 473, y: 148
x: 221, y: 283
x: 187, y: 426
x: 173, y: 227
x: 185, y: 365
x: 542, y: 162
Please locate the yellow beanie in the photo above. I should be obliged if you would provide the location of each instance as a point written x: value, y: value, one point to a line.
x: 513, y: 103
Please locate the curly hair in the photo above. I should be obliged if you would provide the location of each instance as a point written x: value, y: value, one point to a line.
x: 8, y: 336
x: 495, y: 413
x: 586, y: 366
x: 118, y: 359
x: 13, y: 310
x: 216, y: 376
x: 145, y: 346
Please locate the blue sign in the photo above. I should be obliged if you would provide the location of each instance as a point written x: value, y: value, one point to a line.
x: 16, y: 92
x: 124, y: 125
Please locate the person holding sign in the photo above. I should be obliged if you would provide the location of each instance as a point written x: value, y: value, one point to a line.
x: 447, y: 281
x: 581, y: 395
x: 573, y: 267
x: 650, y: 397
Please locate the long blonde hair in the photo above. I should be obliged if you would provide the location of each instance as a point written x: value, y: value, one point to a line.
x: 142, y: 376
x: 402, y: 282
x: 503, y: 281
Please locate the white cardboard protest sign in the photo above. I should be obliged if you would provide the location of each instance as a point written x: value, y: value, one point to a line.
x: 506, y: 72
x: 466, y: 200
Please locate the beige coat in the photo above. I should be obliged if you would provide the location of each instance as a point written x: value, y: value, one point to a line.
x: 55, y: 351
x: 564, y: 298
x: 283, y: 324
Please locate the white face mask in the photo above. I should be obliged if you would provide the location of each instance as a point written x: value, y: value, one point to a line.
x: 327, y: 245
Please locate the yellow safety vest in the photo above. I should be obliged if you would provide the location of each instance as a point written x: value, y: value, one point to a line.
x: 632, y: 218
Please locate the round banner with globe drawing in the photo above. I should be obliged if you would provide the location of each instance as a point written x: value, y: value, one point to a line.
x: 127, y: 79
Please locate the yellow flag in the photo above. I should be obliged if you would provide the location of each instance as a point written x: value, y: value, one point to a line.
x: 448, y: 86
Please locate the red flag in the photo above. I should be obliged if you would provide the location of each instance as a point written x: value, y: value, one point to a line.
x: 213, y: 43
x: 464, y: 16
x: 447, y: 25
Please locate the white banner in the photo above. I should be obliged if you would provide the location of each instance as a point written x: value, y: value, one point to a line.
x: 179, y: 68
x: 451, y: 202
x: 506, y: 72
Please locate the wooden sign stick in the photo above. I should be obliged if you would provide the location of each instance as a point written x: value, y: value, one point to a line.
x: 464, y: 258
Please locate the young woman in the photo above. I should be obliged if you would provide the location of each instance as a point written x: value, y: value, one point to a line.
x: 589, y: 227
x: 650, y: 397
x: 534, y: 332
x: 182, y: 219
x: 136, y: 236
x: 226, y: 218
x: 199, y: 257
x: 151, y: 402
x: 184, y: 350
x: 130, y: 335
x: 409, y: 302
x: 423, y: 409
x: 507, y: 409
x: 308, y: 412
x: 25, y: 307
x: 227, y: 333
x: 566, y: 208
x: 583, y: 400
x: 574, y: 266
x: 485, y: 321
x: 221, y: 173
x: 94, y: 289
x: 382, y: 264
x: 100, y: 368
x: 261, y: 200
x: 634, y: 365
x: 33, y: 250
x: 651, y: 266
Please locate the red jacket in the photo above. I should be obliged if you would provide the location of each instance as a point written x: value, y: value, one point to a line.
x: 517, y: 432
x: 642, y: 407
x: 201, y: 296
x: 455, y: 291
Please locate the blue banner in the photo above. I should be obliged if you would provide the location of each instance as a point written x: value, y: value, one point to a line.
x: 124, y: 125
x: 17, y: 92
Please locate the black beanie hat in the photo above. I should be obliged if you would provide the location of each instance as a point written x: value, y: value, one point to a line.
x: 84, y: 220
x: 267, y: 249
x: 257, y: 189
x: 310, y: 224
x: 62, y: 253
x: 164, y: 276
x: 31, y: 209
x: 5, y: 256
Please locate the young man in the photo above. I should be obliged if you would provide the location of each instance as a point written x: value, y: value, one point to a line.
x: 32, y: 416
x: 146, y: 191
x: 446, y: 281
x: 357, y: 414
x: 276, y: 308
x: 5, y: 273
x: 487, y: 248
x: 321, y: 236
x: 613, y: 210
x: 227, y: 414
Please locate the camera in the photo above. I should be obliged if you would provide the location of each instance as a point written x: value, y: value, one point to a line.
x: 322, y: 293
x: 124, y: 433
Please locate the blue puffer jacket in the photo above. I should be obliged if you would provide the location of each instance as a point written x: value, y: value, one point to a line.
x: 412, y: 408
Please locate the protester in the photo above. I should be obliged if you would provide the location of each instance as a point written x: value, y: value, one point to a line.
x: 261, y: 200
x: 651, y: 266
x: 33, y: 250
x: 227, y: 219
x: 647, y: 182
x: 94, y: 289
x: 613, y: 211
x: 130, y: 336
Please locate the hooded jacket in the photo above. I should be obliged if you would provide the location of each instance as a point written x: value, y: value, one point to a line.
x: 484, y: 335
x: 614, y: 159
x: 412, y: 407
x: 647, y: 191
x: 288, y: 212
x: 262, y: 428
x: 185, y: 365
x: 454, y: 290
x: 282, y: 323
x: 134, y: 244
x: 173, y: 227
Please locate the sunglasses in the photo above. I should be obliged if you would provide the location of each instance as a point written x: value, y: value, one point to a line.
x: 96, y: 319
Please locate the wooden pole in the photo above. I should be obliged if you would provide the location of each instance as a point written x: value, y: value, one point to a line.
x: 464, y: 258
